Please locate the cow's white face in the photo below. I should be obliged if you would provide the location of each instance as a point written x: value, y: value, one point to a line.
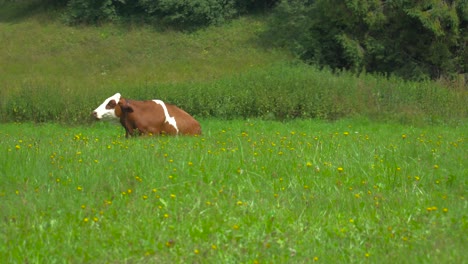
x: 107, y: 108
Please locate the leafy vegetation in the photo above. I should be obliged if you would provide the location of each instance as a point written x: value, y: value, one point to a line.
x: 245, y: 191
x: 180, y: 14
x: 412, y: 39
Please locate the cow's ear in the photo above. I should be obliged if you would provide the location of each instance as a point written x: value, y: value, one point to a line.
x: 129, y: 108
x: 125, y: 106
x: 111, y: 104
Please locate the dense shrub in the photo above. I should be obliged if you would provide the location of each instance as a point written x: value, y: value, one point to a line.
x: 93, y: 12
x: 189, y: 13
x: 412, y: 39
x: 181, y: 14
x: 255, y: 5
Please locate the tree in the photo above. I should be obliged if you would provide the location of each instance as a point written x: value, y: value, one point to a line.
x: 412, y: 39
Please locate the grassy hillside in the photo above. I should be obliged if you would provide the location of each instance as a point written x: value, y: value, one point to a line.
x: 37, y: 49
x: 51, y: 72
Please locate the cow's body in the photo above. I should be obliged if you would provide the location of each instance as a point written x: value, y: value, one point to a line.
x: 148, y: 117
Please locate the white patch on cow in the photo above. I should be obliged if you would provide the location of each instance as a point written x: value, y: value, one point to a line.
x: 101, y: 112
x: 169, y: 119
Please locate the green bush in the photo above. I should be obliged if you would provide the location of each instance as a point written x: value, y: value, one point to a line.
x: 412, y: 39
x: 190, y: 13
x: 174, y: 13
x: 91, y: 12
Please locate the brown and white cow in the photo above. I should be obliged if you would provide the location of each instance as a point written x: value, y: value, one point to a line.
x: 147, y: 117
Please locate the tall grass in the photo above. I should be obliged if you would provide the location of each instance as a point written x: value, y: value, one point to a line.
x: 279, y: 92
x: 245, y: 191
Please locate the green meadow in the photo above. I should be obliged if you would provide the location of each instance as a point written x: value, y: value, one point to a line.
x: 246, y: 191
x: 295, y: 164
x: 55, y: 73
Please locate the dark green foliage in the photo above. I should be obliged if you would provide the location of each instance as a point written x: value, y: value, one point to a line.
x: 189, y: 13
x: 181, y: 14
x: 93, y: 12
x: 412, y: 39
x: 253, y: 5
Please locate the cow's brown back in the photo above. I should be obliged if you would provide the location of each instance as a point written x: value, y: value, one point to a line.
x: 186, y: 124
x: 149, y: 117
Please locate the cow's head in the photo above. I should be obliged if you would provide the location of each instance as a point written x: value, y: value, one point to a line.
x: 108, y: 108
